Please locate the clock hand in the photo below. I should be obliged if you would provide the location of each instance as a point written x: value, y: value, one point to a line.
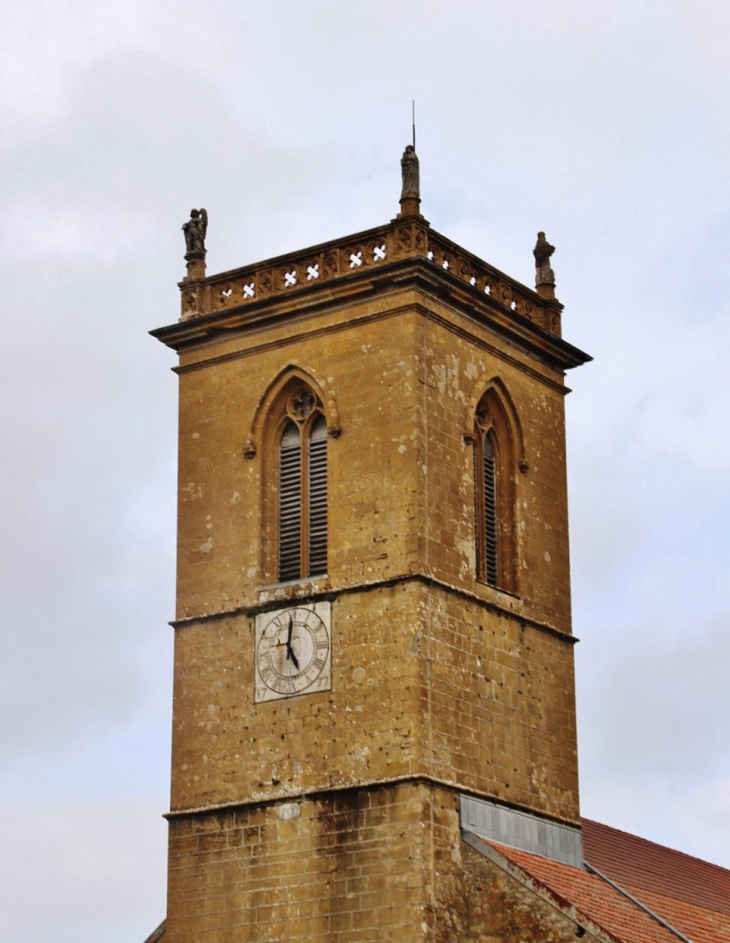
x: 289, y: 650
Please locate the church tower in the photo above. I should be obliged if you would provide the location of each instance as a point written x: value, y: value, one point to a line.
x: 372, y: 639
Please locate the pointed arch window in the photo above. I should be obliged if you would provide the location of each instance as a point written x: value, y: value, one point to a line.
x: 302, y: 500
x: 494, y: 495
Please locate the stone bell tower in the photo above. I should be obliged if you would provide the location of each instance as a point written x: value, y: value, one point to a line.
x: 372, y: 638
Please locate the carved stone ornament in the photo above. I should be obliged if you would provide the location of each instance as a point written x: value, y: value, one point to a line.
x: 190, y: 301
x: 404, y: 238
x: 329, y: 264
x: 195, y: 230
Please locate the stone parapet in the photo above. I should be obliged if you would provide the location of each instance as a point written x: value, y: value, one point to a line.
x: 407, y: 237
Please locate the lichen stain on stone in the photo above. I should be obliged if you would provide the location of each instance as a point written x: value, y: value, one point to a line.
x: 466, y: 547
x: 361, y: 753
x: 447, y: 377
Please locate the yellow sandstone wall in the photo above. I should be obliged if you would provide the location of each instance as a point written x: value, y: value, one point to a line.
x: 443, y: 676
x: 402, y: 371
x: 435, y: 677
x: 356, y: 866
x: 425, y: 683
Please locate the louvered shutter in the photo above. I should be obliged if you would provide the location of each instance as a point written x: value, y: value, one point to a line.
x: 317, y: 503
x: 290, y: 504
x: 490, y: 513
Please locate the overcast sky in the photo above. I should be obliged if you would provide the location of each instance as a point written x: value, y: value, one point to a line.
x: 606, y: 125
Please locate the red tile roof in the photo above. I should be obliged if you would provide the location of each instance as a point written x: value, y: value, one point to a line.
x: 697, y: 923
x: 691, y: 895
x: 644, y: 865
x: 594, y: 900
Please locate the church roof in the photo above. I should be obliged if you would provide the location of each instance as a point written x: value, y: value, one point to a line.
x: 633, y: 890
x: 649, y: 868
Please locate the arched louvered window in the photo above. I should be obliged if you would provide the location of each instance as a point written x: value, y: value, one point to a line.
x: 317, y: 499
x: 302, y: 518
x: 494, y: 496
x: 290, y: 502
x: 488, y: 544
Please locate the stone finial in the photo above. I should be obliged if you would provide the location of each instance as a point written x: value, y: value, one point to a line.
x: 544, y: 275
x: 195, y: 230
x: 410, y: 196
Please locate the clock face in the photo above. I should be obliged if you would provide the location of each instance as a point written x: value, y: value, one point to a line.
x: 293, y: 652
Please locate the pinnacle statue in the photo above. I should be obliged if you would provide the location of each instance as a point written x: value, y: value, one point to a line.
x: 409, y: 170
x: 544, y: 274
x: 195, y: 230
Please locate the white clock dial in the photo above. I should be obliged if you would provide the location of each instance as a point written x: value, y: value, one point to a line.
x: 293, y: 652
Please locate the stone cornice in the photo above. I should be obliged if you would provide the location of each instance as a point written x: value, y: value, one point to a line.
x: 281, y: 595
x: 211, y: 358
x: 320, y: 792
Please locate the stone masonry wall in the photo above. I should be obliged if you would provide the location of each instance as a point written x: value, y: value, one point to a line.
x: 454, y: 370
x: 400, y: 475
x: 348, y: 868
x: 424, y: 682
x: 458, y: 682
x: 356, y: 866
x: 438, y: 680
